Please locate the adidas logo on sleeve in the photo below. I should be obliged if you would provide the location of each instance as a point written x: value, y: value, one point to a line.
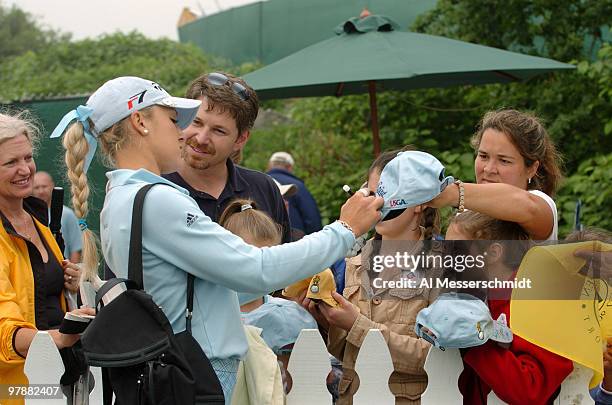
x: 191, y: 218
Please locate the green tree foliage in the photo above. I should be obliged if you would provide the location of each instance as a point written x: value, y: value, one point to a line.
x: 562, y: 30
x: 590, y: 184
x: 80, y: 67
x: 20, y: 32
x: 575, y: 106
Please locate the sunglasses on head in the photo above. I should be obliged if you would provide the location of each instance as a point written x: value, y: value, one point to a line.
x: 219, y: 79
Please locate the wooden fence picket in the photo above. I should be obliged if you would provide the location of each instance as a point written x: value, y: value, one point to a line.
x: 442, y: 386
x: 374, y: 366
x: 44, y: 366
x: 574, y: 389
x: 309, y: 366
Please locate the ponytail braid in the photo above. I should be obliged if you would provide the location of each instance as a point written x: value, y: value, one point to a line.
x: 76, y: 148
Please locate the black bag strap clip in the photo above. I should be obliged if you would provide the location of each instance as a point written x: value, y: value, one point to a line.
x: 108, y: 285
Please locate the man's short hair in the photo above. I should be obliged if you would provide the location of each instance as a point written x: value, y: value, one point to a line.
x: 222, y: 98
x: 282, y: 158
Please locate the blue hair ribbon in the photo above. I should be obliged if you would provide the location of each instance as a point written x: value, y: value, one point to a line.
x: 83, y: 224
x: 81, y: 114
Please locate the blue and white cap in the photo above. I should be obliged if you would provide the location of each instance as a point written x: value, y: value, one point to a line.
x: 410, y: 179
x: 281, y: 320
x: 459, y: 320
x: 117, y: 99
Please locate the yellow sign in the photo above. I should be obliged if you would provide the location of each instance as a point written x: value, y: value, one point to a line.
x: 566, y: 311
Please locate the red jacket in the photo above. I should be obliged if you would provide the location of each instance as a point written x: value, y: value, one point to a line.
x: 523, y: 374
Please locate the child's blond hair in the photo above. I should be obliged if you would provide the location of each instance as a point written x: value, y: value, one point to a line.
x: 241, y: 217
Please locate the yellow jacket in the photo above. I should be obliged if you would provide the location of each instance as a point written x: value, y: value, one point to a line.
x: 17, y: 290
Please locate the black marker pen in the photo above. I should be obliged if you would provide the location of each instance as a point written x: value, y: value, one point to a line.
x: 347, y: 190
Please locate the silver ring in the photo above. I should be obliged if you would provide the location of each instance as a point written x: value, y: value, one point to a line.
x: 365, y: 192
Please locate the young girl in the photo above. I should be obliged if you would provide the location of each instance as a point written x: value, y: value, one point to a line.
x: 523, y: 373
x: 392, y: 311
x: 280, y: 320
x: 138, y: 127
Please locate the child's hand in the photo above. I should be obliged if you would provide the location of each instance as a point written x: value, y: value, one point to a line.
x: 299, y: 299
x: 315, y: 311
x: 598, y: 264
x: 342, y: 316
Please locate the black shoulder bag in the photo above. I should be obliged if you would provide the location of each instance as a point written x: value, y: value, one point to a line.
x: 142, y: 360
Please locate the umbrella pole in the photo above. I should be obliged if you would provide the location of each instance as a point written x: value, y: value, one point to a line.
x: 374, y: 117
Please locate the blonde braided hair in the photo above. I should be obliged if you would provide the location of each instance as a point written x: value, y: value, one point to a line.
x: 76, y: 149
x: 76, y: 146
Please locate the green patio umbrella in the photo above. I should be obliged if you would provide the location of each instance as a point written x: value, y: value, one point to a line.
x: 369, y: 54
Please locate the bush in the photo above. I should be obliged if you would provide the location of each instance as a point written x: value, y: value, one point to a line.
x: 591, y: 185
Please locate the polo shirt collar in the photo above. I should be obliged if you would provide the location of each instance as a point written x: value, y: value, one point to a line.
x: 234, y: 178
x: 235, y: 181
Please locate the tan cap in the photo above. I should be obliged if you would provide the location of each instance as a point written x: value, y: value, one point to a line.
x: 321, y: 287
x: 295, y: 289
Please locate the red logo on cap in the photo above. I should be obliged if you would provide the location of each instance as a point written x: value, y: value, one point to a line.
x: 139, y: 96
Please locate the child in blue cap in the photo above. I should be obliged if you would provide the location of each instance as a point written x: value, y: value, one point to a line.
x: 522, y: 373
x: 391, y: 310
x: 280, y: 320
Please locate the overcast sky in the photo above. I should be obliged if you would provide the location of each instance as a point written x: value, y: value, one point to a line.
x: 90, y: 18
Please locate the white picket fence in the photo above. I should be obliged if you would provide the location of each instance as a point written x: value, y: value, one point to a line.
x: 309, y: 366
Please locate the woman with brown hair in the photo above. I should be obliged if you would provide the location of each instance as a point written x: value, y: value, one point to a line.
x: 517, y: 173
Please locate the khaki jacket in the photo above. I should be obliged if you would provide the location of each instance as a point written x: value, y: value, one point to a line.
x: 394, y: 312
x: 17, y: 302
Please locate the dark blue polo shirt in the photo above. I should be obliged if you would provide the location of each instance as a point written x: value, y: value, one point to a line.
x: 241, y: 183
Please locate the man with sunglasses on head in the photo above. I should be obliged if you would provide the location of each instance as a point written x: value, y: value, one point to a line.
x: 220, y: 130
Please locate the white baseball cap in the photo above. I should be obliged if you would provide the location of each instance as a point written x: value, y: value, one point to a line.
x: 118, y: 98
x: 459, y: 320
x: 410, y: 179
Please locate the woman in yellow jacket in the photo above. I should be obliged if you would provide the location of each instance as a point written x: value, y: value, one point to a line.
x: 33, y: 274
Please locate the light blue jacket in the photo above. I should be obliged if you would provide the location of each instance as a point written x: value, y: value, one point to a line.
x: 179, y: 239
